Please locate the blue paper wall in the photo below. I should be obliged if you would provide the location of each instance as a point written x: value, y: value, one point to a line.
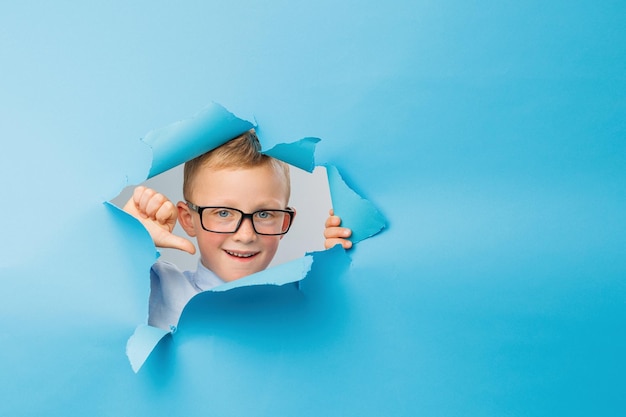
x: 489, y: 134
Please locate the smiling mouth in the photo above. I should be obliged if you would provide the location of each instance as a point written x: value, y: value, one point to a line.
x: 241, y: 255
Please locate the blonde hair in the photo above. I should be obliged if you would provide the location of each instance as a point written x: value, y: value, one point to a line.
x: 244, y: 151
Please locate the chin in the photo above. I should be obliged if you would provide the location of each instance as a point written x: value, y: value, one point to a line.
x: 233, y: 278
x: 238, y: 275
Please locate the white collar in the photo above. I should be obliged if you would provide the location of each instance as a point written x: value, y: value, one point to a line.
x: 204, y: 279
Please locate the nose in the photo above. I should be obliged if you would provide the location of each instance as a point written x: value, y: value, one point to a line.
x: 245, y: 233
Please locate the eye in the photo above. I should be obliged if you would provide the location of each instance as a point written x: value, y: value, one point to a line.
x: 222, y: 213
x: 264, y: 215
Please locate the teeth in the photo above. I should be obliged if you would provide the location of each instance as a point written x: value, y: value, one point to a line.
x: 240, y: 255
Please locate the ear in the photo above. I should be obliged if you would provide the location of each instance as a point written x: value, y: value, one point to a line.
x: 185, y: 218
x: 293, y: 217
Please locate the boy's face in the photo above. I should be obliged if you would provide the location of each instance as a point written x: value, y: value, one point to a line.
x: 234, y: 255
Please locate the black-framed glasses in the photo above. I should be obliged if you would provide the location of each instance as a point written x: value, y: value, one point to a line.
x: 268, y: 222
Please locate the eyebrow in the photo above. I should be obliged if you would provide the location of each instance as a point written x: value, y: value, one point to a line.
x: 263, y: 206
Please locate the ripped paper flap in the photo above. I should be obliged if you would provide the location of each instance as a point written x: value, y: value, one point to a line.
x: 142, y: 343
x: 186, y: 139
x: 300, y: 154
x: 356, y: 212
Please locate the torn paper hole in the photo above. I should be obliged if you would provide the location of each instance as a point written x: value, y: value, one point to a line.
x: 310, y: 195
x: 184, y: 140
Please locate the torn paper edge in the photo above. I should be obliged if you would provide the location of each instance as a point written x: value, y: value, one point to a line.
x: 357, y: 213
x: 287, y: 273
x: 146, y: 338
x: 141, y: 344
x: 300, y: 154
x: 186, y: 139
x: 210, y: 128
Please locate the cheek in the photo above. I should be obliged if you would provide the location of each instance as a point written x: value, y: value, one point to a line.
x: 209, y: 242
x: 270, y: 245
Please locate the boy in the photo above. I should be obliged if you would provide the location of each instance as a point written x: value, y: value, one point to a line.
x: 237, y: 209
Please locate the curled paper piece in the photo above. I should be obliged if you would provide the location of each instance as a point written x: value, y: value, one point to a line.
x: 142, y: 343
x: 300, y: 154
x: 356, y: 212
x: 184, y: 140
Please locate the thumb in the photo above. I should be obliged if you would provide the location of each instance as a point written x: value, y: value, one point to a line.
x: 183, y: 244
x: 169, y: 240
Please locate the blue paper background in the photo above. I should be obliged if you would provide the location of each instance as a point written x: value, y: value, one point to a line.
x: 489, y: 134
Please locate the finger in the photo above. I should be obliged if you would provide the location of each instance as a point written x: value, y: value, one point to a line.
x: 329, y: 243
x: 333, y: 221
x: 137, y: 193
x: 132, y: 205
x: 167, y: 214
x: 154, y: 204
x: 337, y: 232
x: 144, y: 199
x: 331, y: 212
x: 177, y: 242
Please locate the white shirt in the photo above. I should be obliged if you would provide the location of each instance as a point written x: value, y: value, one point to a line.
x: 171, y: 289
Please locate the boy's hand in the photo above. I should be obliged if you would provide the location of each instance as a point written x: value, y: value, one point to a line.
x: 158, y: 215
x: 334, y: 234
